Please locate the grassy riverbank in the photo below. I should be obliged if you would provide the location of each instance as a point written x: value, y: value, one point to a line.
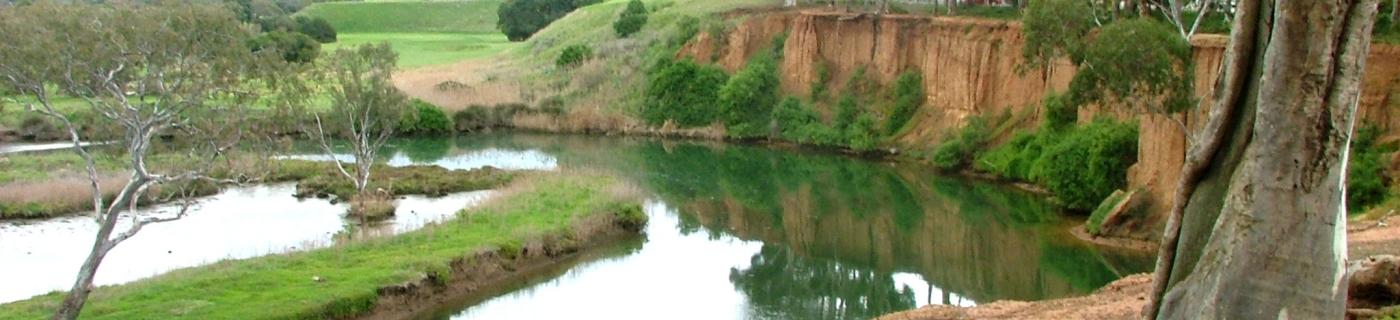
x: 424, y: 33
x: 282, y: 286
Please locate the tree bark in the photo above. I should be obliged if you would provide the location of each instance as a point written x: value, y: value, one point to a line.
x: 1258, y: 228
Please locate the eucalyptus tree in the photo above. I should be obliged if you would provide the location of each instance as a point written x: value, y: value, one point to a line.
x: 1258, y: 228
x: 365, y: 108
x: 174, y: 70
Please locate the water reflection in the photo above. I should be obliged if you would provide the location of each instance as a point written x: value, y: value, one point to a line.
x: 443, y: 153
x: 806, y: 235
x: 240, y: 222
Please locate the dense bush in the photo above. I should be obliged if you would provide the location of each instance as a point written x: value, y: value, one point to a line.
x: 962, y: 147
x: 1367, y: 181
x: 747, y: 100
x: 1087, y: 164
x: 574, y: 55
x: 478, y: 117
x: 1138, y: 62
x: 908, y: 96
x: 292, y: 46
x: 519, y: 19
x: 426, y: 119
x: 846, y: 111
x: 861, y: 135
x: 682, y: 91
x: 1059, y: 113
x: 631, y: 20
x: 317, y: 28
x: 1013, y: 159
x: 822, y: 75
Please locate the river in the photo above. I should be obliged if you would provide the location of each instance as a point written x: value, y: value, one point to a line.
x: 736, y: 232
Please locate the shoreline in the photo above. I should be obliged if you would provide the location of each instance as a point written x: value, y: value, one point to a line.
x: 534, y: 223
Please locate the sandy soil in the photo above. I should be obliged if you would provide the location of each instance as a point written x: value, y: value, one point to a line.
x: 1125, y: 298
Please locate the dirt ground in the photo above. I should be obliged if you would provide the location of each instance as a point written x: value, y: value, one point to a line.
x: 1125, y: 298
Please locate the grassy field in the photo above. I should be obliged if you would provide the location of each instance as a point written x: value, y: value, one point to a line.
x: 424, y: 33
x: 426, y: 49
x: 472, y: 16
x: 281, y: 286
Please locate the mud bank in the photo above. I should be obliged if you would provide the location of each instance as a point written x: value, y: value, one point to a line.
x: 487, y: 270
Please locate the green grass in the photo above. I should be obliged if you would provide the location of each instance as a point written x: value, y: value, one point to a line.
x: 425, y: 49
x: 423, y: 180
x: 281, y: 286
x: 33, y: 167
x: 474, y: 16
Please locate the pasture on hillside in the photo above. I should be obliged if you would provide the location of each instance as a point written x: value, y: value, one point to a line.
x: 424, y: 33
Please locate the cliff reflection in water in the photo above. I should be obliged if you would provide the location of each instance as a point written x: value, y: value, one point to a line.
x: 844, y: 237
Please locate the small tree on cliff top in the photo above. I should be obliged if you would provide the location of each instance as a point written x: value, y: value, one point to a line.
x: 1136, y: 62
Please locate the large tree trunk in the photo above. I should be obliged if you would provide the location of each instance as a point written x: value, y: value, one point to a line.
x: 1258, y: 229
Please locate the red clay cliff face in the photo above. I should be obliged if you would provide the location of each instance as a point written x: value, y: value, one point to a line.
x: 969, y: 68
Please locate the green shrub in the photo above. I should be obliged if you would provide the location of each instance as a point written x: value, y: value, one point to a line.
x: 426, y: 119
x: 1137, y: 62
x: 1367, y: 182
x: 574, y: 55
x: 1059, y: 113
x: 317, y: 28
x: 861, y: 134
x: 686, y: 28
x: 799, y: 123
x: 631, y: 20
x: 846, y: 111
x: 292, y: 46
x: 1011, y: 160
x: 682, y: 91
x: 473, y: 118
x: 519, y: 19
x: 817, y: 89
x: 908, y: 96
x: 959, y: 151
x: 747, y: 99
x: 1088, y: 163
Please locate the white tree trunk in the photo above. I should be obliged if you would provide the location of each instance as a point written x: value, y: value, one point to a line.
x: 1258, y: 230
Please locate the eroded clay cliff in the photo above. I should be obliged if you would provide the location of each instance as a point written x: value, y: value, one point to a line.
x: 969, y: 67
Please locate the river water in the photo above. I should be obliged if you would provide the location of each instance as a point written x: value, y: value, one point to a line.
x: 736, y: 232
x: 743, y: 232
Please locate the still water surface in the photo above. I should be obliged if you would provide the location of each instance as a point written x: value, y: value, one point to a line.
x: 237, y: 223
x: 736, y: 232
x: 742, y: 232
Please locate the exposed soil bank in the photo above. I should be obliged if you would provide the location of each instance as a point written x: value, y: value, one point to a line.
x: 483, y: 271
x: 1125, y: 298
x: 969, y: 67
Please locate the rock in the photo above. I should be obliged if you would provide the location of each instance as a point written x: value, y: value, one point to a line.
x: 1373, y: 282
x: 1119, y: 219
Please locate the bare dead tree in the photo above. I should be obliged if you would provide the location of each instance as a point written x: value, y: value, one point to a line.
x: 146, y: 70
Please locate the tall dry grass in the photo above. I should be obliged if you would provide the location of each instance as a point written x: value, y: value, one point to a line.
x: 56, y: 196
